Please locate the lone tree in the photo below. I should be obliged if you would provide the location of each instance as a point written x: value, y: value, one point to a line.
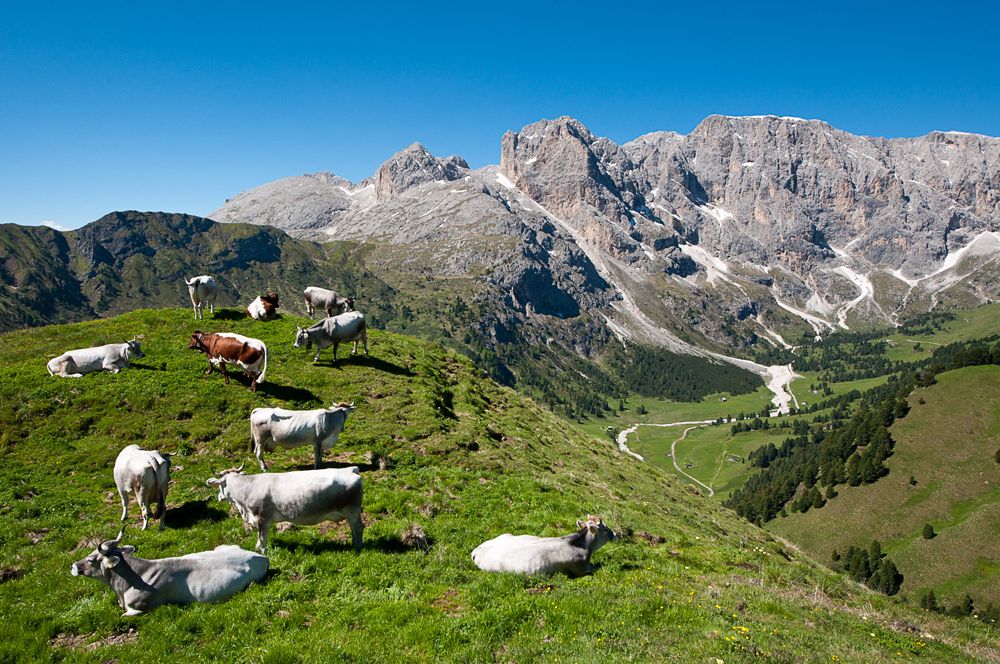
x: 929, y: 531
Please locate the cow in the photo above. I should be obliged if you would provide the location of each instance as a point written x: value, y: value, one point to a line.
x: 271, y: 427
x: 147, y: 474
x: 111, y: 357
x: 334, y: 331
x: 326, y: 300
x: 304, y: 496
x: 527, y: 554
x: 265, y: 307
x: 224, y: 348
x: 142, y: 585
x: 202, y: 289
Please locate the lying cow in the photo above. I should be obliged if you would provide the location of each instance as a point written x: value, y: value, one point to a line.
x: 224, y: 348
x: 271, y: 427
x: 202, y: 290
x: 112, y: 357
x: 142, y: 585
x: 265, y: 307
x: 147, y: 474
x: 333, y: 332
x: 527, y: 554
x: 326, y: 300
x: 305, y: 497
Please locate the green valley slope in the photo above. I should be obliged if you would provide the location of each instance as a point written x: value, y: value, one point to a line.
x: 463, y: 458
x: 947, y: 443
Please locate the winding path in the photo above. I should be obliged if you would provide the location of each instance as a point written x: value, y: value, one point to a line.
x: 673, y: 457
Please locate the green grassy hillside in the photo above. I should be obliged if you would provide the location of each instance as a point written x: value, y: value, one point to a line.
x: 947, y: 443
x: 464, y: 458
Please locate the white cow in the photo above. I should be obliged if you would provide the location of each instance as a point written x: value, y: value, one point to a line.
x: 326, y: 300
x: 147, y: 474
x: 202, y: 289
x: 333, y: 332
x: 111, y: 357
x: 305, y: 497
x: 320, y: 428
x: 527, y: 554
x: 142, y: 585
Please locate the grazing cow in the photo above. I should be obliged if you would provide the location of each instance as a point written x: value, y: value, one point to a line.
x: 202, y: 289
x: 265, y: 307
x: 326, y: 300
x: 112, y: 357
x: 304, y: 496
x: 147, y: 474
x: 142, y: 585
x: 271, y: 427
x: 224, y: 348
x: 527, y: 554
x: 333, y: 332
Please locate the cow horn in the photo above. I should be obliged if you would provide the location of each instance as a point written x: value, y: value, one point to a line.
x: 121, y: 533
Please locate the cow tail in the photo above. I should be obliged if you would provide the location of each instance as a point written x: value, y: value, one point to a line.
x: 260, y: 378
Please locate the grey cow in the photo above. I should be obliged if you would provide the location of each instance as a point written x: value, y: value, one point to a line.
x: 334, y: 331
x: 528, y: 554
x: 142, y: 585
x: 320, y: 428
x: 147, y: 474
x: 304, y: 496
x: 326, y: 300
x: 110, y: 357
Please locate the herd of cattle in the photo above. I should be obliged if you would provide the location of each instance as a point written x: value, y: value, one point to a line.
x: 304, y: 497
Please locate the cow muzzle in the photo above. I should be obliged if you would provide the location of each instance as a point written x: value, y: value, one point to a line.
x: 74, y: 570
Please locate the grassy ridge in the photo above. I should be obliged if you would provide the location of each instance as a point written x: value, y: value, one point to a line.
x: 466, y: 460
x: 947, y: 443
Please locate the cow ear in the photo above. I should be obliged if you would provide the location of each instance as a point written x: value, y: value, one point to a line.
x: 580, y: 523
x: 110, y: 561
x: 128, y: 548
x: 215, y: 481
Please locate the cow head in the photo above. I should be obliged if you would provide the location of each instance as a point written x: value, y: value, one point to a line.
x: 196, y: 342
x: 302, y: 337
x: 220, y: 480
x: 597, y: 533
x: 133, y: 348
x: 271, y: 298
x: 350, y: 303
x: 102, y: 560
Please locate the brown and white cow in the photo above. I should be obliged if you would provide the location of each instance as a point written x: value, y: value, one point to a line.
x: 265, y: 307
x: 224, y: 348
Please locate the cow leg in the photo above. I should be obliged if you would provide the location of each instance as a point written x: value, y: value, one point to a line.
x: 210, y: 369
x: 318, y: 453
x: 262, y: 527
x: 259, y: 453
x: 357, y: 530
x: 354, y: 349
x: 162, y: 509
x: 364, y: 340
x: 145, y: 511
x: 318, y: 351
x: 253, y: 381
x: 211, y: 308
x: 225, y: 372
x: 124, y: 497
x: 335, y: 344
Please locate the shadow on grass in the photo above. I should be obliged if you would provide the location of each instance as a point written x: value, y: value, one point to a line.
x: 367, y: 361
x: 383, y: 544
x: 230, y: 314
x: 285, y: 392
x: 148, y: 367
x: 193, y: 512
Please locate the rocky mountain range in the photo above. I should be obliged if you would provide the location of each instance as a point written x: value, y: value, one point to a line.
x: 748, y: 230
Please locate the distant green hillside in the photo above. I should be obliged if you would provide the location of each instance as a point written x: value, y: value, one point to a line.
x: 947, y: 443
x: 464, y: 458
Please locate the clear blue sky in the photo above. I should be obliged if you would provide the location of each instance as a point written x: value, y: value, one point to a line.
x: 109, y: 106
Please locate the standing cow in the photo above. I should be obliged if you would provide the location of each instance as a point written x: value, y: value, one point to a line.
x: 265, y: 307
x: 305, y: 497
x: 326, y: 300
x: 528, y: 554
x: 320, y: 428
x: 112, y: 357
x: 333, y: 332
x: 202, y: 289
x: 141, y: 585
x: 147, y: 474
x: 224, y: 348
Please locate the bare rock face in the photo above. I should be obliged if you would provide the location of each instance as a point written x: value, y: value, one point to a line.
x: 415, y: 166
x: 748, y: 227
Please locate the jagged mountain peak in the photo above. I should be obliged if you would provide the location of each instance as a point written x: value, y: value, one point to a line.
x: 414, y: 166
